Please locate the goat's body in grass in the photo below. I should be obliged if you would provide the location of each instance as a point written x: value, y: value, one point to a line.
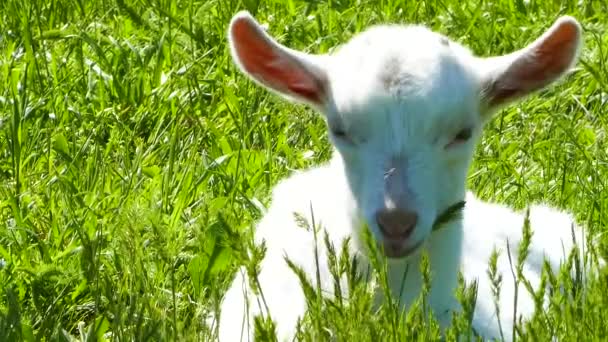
x: 464, y: 244
x: 404, y: 123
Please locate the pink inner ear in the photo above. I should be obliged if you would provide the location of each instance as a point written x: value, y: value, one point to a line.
x: 273, y: 67
x: 546, y: 60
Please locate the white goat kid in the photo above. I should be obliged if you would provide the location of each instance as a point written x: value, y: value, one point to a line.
x: 404, y: 107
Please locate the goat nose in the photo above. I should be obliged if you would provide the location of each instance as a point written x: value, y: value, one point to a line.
x: 396, y: 223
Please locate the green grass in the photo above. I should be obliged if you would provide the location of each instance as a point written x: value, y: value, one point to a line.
x: 134, y: 158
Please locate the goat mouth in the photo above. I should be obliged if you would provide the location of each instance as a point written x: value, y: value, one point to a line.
x: 396, y: 249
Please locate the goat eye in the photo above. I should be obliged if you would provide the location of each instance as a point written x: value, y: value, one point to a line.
x: 339, y: 133
x: 461, y: 137
x: 464, y: 135
x: 342, y: 136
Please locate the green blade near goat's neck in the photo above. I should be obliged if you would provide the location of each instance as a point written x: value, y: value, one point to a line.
x: 451, y: 213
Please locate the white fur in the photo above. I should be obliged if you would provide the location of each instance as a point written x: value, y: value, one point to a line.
x: 401, y: 94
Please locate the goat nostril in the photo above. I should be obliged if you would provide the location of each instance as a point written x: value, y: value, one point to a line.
x: 397, y: 223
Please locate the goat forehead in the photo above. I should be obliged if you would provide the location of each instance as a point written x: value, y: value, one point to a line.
x: 387, y: 48
x: 411, y: 64
x: 380, y: 87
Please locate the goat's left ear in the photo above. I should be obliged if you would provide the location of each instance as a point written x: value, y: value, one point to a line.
x: 511, y: 77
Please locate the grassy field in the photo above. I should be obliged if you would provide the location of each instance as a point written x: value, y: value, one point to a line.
x: 135, y: 159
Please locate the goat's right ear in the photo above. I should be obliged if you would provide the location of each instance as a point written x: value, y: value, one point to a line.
x: 285, y: 71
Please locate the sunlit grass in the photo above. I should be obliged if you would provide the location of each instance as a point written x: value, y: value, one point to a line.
x: 135, y: 159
